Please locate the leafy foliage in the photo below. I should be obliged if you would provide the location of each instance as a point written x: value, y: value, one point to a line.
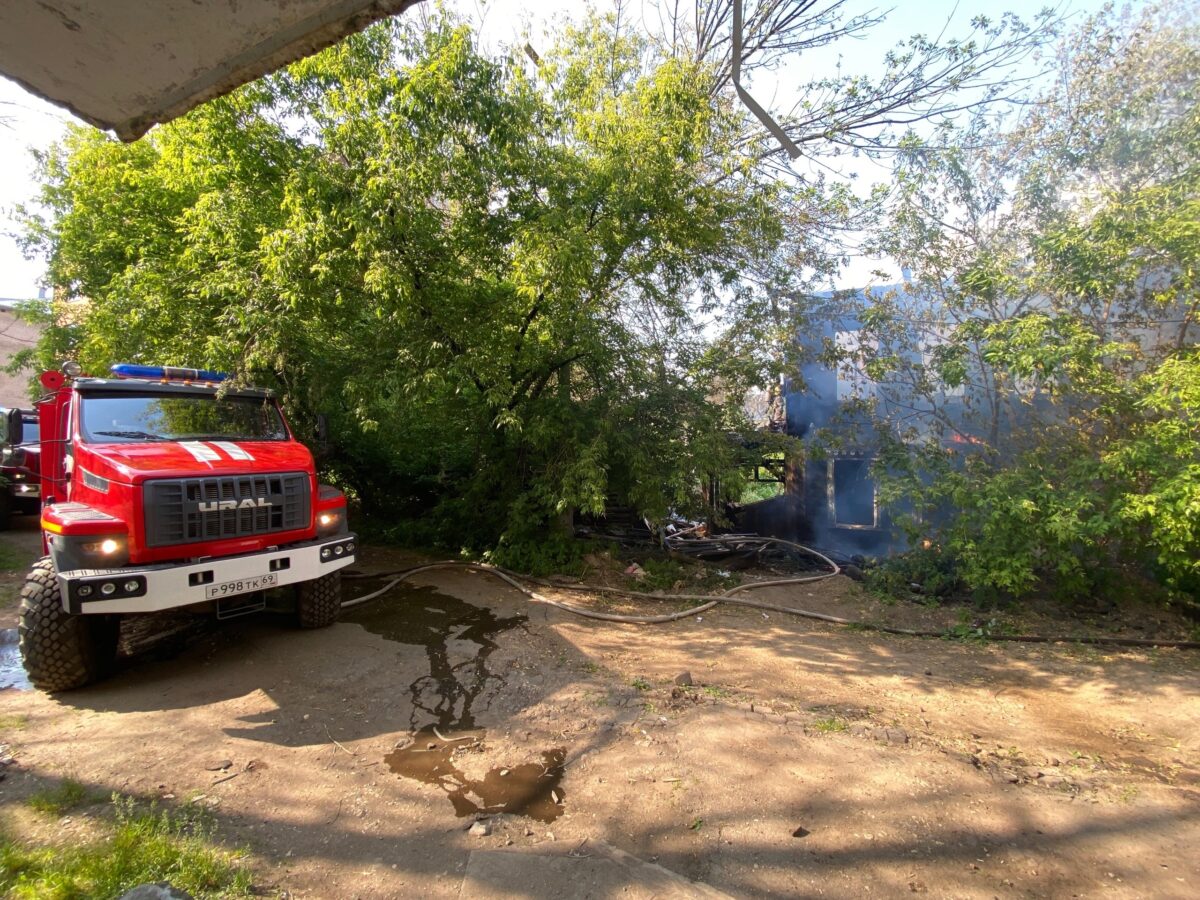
x: 1043, y: 361
x: 516, y: 291
x: 494, y: 281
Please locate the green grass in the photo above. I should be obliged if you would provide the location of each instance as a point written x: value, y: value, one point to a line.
x: 760, y: 490
x: 63, y: 798
x: 640, y: 684
x: 830, y: 725
x: 145, y: 845
x: 12, y: 722
x: 12, y: 559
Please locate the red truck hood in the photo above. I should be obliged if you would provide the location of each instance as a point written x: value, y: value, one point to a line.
x: 134, y: 463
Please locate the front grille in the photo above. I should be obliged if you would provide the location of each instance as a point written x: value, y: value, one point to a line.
x: 189, y: 510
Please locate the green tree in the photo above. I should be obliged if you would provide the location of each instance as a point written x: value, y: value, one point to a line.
x: 494, y: 280
x: 1043, y: 359
x: 517, y: 290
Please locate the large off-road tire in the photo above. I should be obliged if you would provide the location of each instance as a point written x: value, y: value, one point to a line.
x: 6, y: 505
x: 319, y: 602
x: 62, y: 651
x: 28, y: 506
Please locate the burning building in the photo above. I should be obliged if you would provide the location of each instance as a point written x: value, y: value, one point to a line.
x: 829, y: 497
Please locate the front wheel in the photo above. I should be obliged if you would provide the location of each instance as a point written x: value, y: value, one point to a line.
x: 61, y: 651
x: 319, y: 602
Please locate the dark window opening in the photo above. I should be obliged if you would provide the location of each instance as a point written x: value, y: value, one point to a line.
x: 852, y: 493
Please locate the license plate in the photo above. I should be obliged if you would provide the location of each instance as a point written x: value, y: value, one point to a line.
x: 243, y: 586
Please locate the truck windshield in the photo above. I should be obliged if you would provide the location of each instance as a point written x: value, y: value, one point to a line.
x: 131, y: 418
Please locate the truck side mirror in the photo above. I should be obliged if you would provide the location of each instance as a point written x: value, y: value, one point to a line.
x: 14, y: 428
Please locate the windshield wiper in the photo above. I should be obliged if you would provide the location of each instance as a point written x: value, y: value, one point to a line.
x: 143, y: 435
x: 234, y: 438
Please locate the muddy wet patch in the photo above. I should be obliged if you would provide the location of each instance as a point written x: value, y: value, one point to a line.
x: 12, y: 672
x: 458, y: 638
x: 530, y: 789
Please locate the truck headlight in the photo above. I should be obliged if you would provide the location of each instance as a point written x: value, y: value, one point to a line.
x: 331, y: 521
x: 106, y: 552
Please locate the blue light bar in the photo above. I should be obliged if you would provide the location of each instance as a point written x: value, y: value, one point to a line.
x: 169, y: 373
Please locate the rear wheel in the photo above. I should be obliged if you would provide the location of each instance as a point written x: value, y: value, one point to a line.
x: 319, y: 602
x: 6, y: 505
x: 62, y: 651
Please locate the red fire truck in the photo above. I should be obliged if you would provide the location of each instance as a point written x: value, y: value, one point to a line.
x: 163, y: 488
x: 21, y: 488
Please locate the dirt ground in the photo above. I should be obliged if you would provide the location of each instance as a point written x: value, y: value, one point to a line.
x: 803, y: 760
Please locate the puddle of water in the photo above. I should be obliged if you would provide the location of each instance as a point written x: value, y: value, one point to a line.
x: 530, y: 789
x: 458, y: 638
x: 12, y: 672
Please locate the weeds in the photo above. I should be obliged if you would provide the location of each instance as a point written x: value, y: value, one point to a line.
x: 145, y: 845
x: 712, y: 581
x: 661, y: 575
x: 63, y: 798
x: 830, y: 725
x: 13, y: 722
x: 672, y: 575
x: 640, y: 684
x: 716, y: 691
x: 540, y: 556
x: 933, y: 571
x: 968, y: 628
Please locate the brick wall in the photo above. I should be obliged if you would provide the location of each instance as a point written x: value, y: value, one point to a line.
x: 15, y: 335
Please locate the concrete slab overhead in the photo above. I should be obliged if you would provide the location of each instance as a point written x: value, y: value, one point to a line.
x: 127, y: 65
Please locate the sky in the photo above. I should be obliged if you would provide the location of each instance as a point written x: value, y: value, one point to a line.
x: 33, y: 123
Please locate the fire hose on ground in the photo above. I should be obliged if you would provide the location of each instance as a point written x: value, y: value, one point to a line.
x: 706, y: 602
